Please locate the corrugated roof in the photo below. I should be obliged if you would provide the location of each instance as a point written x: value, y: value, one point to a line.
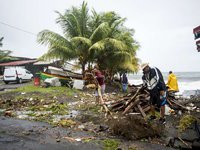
x: 42, y: 63
x: 17, y: 63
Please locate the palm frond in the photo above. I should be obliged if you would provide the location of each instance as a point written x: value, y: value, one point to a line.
x: 100, y: 32
x: 50, y: 38
x: 84, y: 42
x: 69, y: 24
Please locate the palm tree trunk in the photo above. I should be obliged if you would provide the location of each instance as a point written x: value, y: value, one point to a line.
x: 83, y: 67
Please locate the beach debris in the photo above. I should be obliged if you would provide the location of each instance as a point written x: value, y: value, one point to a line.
x: 78, y: 139
x: 134, y: 127
x: 137, y: 101
x: 52, y: 81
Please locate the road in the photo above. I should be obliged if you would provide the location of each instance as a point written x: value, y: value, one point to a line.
x: 13, y: 85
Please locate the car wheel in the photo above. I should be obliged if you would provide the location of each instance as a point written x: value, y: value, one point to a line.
x: 19, y: 81
x: 6, y: 82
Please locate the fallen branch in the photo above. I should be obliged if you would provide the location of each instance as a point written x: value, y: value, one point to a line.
x: 184, y: 142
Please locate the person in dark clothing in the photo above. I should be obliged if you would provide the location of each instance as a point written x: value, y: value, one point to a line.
x: 154, y: 82
x: 124, y: 81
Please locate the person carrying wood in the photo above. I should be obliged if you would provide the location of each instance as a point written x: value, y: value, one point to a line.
x: 153, y: 81
x: 101, y: 82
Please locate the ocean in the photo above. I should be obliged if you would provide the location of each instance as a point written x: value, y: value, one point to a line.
x: 187, y: 81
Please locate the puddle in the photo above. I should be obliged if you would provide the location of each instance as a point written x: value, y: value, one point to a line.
x: 72, y: 114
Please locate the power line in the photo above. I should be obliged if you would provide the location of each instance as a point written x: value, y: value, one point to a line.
x: 18, y: 28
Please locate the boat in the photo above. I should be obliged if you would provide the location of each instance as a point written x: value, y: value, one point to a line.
x: 65, y: 77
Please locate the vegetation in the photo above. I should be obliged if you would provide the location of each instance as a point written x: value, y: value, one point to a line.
x: 185, y: 122
x: 4, y: 54
x: 110, y: 144
x: 92, y: 38
x: 55, y: 91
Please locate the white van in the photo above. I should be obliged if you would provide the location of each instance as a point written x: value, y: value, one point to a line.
x: 16, y: 74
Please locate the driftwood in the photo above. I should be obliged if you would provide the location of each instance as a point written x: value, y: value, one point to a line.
x: 137, y: 101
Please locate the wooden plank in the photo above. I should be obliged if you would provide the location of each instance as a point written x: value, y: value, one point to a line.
x: 146, y: 108
x: 141, y: 110
x: 133, y: 97
x: 131, y: 105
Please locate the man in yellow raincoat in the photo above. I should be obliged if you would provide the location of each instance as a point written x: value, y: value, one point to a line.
x: 172, y: 82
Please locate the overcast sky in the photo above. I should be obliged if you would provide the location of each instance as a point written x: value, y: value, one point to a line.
x: 164, y: 28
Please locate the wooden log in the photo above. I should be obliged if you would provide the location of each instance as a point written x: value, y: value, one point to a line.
x: 141, y: 111
x: 146, y: 108
x: 118, y: 108
x: 170, y: 102
x: 102, y: 101
x: 134, y: 96
x: 131, y: 105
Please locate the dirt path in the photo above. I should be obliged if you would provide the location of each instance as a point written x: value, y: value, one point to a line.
x: 28, y: 135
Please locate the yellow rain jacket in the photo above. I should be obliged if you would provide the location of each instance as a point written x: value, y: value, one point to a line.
x: 172, y: 83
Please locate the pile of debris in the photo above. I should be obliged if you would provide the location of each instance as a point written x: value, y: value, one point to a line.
x: 137, y: 101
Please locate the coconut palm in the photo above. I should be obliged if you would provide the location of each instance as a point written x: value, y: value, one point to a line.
x: 86, y: 37
x: 118, y: 50
x: 74, y: 23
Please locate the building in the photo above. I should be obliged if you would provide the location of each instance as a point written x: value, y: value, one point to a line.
x: 28, y: 64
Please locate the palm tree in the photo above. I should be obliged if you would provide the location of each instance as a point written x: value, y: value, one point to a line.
x: 74, y: 23
x: 1, y: 39
x: 86, y: 37
x: 4, y: 54
x: 118, y: 50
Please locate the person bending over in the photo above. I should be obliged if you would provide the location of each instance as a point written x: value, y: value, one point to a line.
x: 154, y: 82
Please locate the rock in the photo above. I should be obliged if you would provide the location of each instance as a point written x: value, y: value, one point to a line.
x: 8, y: 113
x: 189, y: 135
x: 103, y: 128
x: 196, y: 144
x: 179, y: 144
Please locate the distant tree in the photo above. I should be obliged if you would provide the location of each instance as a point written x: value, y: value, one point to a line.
x: 4, y: 54
x: 1, y: 39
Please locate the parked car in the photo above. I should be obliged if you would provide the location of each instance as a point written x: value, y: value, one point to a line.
x: 16, y: 74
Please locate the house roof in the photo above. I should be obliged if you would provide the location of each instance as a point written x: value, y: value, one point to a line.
x: 18, y: 63
x: 42, y: 63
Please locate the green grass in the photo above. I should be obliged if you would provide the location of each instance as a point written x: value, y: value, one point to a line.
x: 110, y: 144
x: 52, y: 90
x: 185, y: 122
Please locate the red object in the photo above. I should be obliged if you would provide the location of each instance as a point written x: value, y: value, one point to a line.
x: 36, y: 81
x: 198, y: 45
x: 196, y: 30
